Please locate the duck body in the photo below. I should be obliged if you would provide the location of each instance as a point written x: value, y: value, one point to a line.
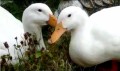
x: 13, y: 28
x: 10, y: 28
x: 94, y: 39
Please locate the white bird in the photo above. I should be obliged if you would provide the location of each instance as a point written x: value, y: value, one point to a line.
x: 34, y: 17
x: 94, y: 39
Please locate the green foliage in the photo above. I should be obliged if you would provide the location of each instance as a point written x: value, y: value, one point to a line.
x: 55, y: 58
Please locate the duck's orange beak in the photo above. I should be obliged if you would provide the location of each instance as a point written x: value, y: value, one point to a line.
x: 59, y: 30
x: 52, y: 20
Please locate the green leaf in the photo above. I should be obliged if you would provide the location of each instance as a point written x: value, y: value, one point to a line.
x: 38, y: 54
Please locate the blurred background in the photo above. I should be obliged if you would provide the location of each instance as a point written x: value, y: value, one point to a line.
x: 16, y: 7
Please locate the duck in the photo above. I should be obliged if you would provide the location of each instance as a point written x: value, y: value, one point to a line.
x: 94, y: 39
x: 34, y: 17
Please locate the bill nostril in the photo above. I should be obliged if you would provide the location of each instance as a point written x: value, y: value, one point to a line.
x: 58, y: 29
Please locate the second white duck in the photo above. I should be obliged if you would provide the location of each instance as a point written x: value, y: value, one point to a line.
x: 94, y: 39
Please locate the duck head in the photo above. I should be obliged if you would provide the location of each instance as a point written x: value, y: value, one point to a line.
x: 40, y: 14
x: 69, y: 19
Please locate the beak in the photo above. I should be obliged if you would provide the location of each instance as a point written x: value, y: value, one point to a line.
x: 59, y: 30
x: 52, y: 20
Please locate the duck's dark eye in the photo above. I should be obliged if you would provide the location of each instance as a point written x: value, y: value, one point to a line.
x: 69, y: 15
x: 39, y: 10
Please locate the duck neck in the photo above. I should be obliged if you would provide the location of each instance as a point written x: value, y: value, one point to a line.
x: 37, y: 30
x: 81, y: 34
x: 40, y: 38
x: 84, y: 26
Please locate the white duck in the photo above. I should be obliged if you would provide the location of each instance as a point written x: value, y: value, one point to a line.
x: 34, y: 17
x: 94, y: 39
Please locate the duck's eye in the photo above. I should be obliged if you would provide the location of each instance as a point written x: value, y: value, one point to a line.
x: 69, y: 15
x: 39, y: 10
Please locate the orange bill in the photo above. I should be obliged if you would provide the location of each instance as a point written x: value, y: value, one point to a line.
x: 59, y: 30
x: 52, y: 20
